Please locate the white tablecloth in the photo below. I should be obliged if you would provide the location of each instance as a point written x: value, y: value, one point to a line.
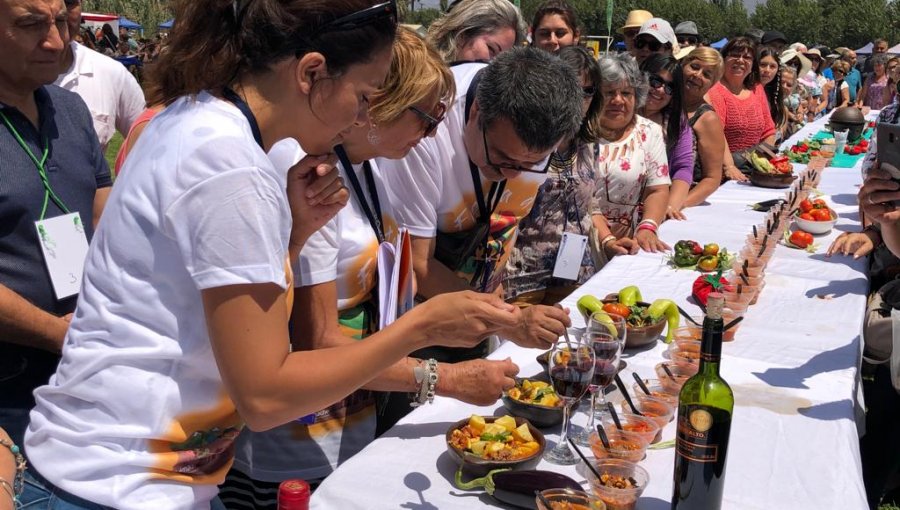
x: 793, y: 368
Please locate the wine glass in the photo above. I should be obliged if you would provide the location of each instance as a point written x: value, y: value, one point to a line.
x: 607, y: 350
x: 571, y: 371
x: 617, y: 326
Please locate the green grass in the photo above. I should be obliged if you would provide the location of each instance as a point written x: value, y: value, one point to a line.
x: 888, y: 506
x: 112, y: 150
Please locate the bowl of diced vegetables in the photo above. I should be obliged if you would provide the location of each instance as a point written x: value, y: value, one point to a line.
x: 483, y: 443
x: 536, y: 401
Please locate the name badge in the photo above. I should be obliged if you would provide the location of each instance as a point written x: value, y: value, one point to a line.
x: 570, y: 256
x: 64, y: 245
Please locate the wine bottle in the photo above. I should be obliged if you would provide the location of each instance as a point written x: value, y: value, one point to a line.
x: 705, y: 406
x: 293, y: 495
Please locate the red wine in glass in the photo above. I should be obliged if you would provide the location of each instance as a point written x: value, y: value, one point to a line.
x: 604, y: 372
x: 571, y: 380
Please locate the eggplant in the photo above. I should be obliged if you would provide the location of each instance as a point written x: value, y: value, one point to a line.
x: 517, y: 487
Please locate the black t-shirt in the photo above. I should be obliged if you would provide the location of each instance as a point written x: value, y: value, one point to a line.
x: 75, y: 168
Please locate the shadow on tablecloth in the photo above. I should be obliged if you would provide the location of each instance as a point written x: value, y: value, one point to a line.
x: 827, y: 361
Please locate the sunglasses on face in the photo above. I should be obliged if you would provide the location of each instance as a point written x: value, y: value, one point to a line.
x: 657, y: 82
x: 540, y: 167
x: 362, y: 18
x: 687, y: 41
x: 630, y: 33
x: 431, y: 123
x: 650, y: 43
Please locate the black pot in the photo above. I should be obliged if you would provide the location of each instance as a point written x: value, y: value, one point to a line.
x: 848, y: 118
x: 854, y: 130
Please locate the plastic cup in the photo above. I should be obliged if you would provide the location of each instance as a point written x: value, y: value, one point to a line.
x: 643, y: 425
x: 729, y: 315
x: 840, y: 140
x: 657, y: 410
x: 623, y: 445
x: 686, y: 350
x: 610, y: 489
x: 571, y: 496
x: 681, y: 372
x: 657, y: 391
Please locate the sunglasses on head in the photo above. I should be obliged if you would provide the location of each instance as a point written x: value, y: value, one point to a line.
x: 646, y: 42
x: 362, y: 18
x: 431, y: 123
x: 657, y: 82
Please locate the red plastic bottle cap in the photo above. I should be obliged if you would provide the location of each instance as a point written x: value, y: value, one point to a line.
x: 292, y: 493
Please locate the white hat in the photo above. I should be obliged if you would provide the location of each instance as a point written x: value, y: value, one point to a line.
x: 661, y: 30
x: 790, y: 54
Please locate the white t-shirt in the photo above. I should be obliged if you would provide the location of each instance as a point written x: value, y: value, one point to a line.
x: 628, y: 166
x: 109, y: 90
x: 136, y: 416
x: 344, y: 251
x: 431, y: 188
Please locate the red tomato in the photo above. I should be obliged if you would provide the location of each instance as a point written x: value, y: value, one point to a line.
x: 801, y: 239
x: 807, y: 216
x: 819, y: 204
x: 617, y: 309
x: 806, y: 206
x: 821, y: 214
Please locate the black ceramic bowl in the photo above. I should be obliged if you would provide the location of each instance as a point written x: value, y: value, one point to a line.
x: 477, y: 466
x: 767, y: 180
x: 538, y: 415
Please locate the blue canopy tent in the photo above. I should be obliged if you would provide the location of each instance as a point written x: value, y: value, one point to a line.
x: 127, y: 24
x: 720, y: 43
x: 166, y: 25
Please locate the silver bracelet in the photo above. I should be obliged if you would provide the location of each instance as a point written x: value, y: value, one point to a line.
x: 426, y: 379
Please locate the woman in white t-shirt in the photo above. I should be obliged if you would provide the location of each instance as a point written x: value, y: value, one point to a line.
x: 180, y: 335
x: 631, y: 199
x: 338, y: 266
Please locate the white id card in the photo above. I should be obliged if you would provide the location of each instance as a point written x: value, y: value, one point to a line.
x: 570, y: 256
x: 65, y: 247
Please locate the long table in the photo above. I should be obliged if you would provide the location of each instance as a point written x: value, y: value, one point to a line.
x: 793, y: 366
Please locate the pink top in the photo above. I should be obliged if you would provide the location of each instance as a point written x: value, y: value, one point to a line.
x: 746, y: 121
x: 143, y: 118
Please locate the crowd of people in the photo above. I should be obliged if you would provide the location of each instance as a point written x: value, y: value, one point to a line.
x: 226, y: 335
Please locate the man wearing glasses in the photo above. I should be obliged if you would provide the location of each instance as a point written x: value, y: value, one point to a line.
x: 462, y: 193
x: 632, y: 26
x: 688, y: 36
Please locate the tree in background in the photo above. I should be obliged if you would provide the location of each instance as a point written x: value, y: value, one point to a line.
x: 798, y: 20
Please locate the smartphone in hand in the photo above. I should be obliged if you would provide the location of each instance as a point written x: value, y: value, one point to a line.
x: 889, y: 147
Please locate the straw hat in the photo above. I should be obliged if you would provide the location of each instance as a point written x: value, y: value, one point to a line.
x: 635, y: 19
x: 790, y: 54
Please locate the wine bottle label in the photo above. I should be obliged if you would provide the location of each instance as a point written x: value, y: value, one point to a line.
x: 699, y: 438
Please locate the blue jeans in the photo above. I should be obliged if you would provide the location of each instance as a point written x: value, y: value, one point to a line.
x: 15, y: 420
x: 39, y: 494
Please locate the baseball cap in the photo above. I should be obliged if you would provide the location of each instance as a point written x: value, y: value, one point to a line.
x: 660, y: 29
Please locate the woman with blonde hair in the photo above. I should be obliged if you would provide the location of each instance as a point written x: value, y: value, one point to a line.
x: 477, y: 30
x: 336, y: 276
x: 701, y: 69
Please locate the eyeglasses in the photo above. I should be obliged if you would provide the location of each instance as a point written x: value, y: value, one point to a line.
x: 631, y: 32
x: 747, y: 57
x: 362, y: 18
x: 656, y: 82
x: 540, y: 167
x: 431, y: 123
x: 588, y: 91
x: 687, y: 40
x: 646, y: 42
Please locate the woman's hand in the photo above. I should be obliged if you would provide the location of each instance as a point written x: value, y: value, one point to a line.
x: 479, y: 381
x: 859, y: 244
x: 877, y: 194
x: 622, y: 246
x: 732, y: 173
x: 649, y: 241
x: 316, y: 193
x: 674, y: 213
x: 540, y: 326
x: 463, y: 319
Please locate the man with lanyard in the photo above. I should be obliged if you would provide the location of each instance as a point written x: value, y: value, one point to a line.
x: 462, y: 193
x: 52, y: 168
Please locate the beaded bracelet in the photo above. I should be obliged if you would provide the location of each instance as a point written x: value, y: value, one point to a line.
x: 19, y: 482
x: 427, y: 379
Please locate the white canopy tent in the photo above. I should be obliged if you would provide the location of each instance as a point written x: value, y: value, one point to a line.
x: 96, y: 21
x: 865, y: 50
x: 895, y: 50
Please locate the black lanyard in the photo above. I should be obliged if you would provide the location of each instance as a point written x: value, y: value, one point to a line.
x: 375, y: 218
x: 568, y: 185
x: 496, y: 191
x: 241, y: 105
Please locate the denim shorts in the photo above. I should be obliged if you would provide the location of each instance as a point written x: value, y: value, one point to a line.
x: 39, y: 494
